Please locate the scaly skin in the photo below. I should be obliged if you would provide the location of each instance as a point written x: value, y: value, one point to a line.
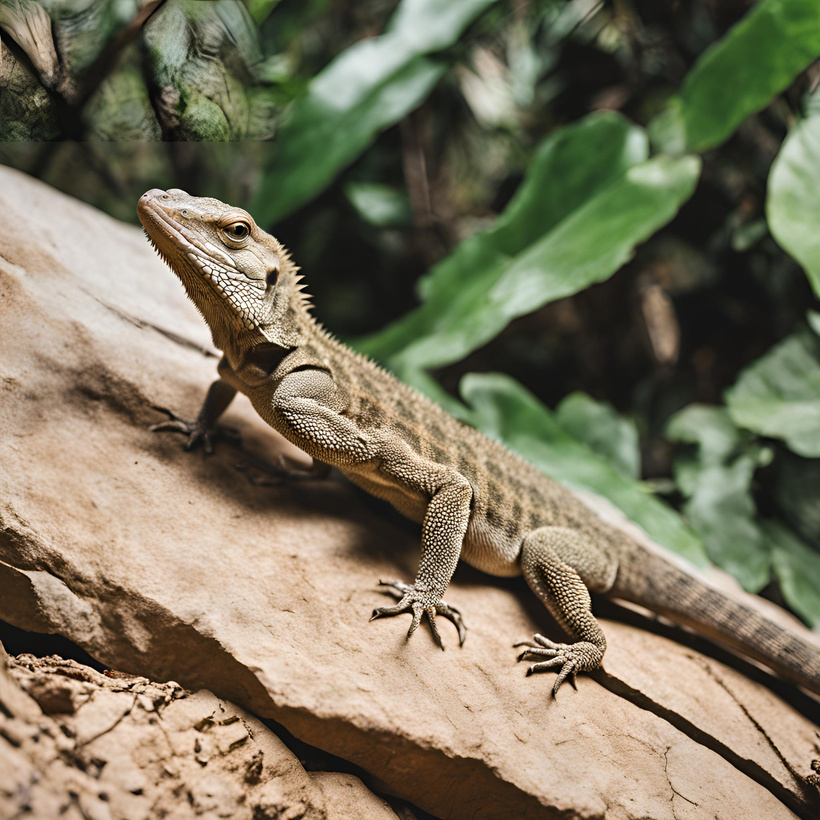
x: 474, y: 499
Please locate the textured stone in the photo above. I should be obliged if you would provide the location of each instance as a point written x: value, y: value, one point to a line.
x: 133, y: 749
x: 174, y: 566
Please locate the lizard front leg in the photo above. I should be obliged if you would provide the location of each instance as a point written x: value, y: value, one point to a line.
x: 442, y: 534
x: 311, y: 410
x: 201, y: 430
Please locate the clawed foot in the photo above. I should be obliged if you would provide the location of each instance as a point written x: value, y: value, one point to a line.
x: 572, y: 658
x: 196, y: 431
x: 421, y: 603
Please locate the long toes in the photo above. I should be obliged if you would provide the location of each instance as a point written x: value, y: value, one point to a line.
x: 569, y: 667
x: 546, y: 642
x: 386, y: 611
x: 397, y: 586
x: 431, y: 617
x: 454, y: 616
x: 460, y: 628
x: 538, y: 651
x: 550, y: 664
x: 417, y: 610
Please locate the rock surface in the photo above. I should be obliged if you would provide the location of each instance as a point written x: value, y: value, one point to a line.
x: 174, y: 566
x: 77, y: 744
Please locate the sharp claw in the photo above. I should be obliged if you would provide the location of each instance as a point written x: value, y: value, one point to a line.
x: 462, y: 634
x: 434, y: 627
x: 416, y: 601
x: 416, y: 620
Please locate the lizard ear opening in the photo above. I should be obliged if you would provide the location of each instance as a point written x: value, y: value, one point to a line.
x: 273, y: 277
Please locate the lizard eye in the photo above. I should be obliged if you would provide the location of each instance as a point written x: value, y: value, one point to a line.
x: 237, y: 231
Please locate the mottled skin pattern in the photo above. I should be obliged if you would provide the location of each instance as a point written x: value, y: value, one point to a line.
x: 474, y: 499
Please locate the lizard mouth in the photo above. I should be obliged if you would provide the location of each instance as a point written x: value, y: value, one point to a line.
x: 169, y: 240
x: 198, y: 263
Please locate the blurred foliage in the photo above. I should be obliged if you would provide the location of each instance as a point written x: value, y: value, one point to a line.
x: 611, y: 202
x: 794, y: 198
x: 779, y: 394
x: 739, y: 75
x: 368, y: 87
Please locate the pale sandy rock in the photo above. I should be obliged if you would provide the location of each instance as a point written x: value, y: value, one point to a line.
x: 174, y: 566
x: 126, y: 748
x: 346, y: 797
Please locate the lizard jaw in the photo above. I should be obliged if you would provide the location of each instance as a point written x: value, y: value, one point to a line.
x: 195, y: 260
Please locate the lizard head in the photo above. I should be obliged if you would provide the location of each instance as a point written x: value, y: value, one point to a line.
x: 231, y: 268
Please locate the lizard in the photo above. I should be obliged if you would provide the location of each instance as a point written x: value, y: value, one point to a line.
x: 475, y: 500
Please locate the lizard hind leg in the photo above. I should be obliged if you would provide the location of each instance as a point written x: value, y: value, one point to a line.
x: 561, y: 565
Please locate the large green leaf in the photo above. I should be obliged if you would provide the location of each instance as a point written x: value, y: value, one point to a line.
x: 798, y: 569
x: 717, y: 482
x: 598, y: 425
x: 794, y: 485
x: 793, y: 198
x: 758, y: 58
x: 507, y: 412
x: 367, y: 88
x: 569, y: 168
x: 779, y: 394
x: 476, y: 298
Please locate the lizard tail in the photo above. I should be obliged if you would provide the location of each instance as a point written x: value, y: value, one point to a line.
x: 659, y: 585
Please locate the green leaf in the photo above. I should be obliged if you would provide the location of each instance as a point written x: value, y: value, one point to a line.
x: 779, y: 394
x: 598, y: 425
x: 793, y: 197
x: 717, y: 481
x: 379, y: 205
x: 507, y: 412
x: 797, y: 567
x: 367, y: 88
x: 739, y: 75
x: 570, y: 167
x: 794, y: 485
x: 588, y: 246
x: 722, y: 512
x: 609, y: 208
x: 709, y: 427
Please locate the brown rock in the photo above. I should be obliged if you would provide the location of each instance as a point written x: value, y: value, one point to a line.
x: 174, y: 566
x: 137, y: 749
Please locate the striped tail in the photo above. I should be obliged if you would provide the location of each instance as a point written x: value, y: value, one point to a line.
x: 652, y: 581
